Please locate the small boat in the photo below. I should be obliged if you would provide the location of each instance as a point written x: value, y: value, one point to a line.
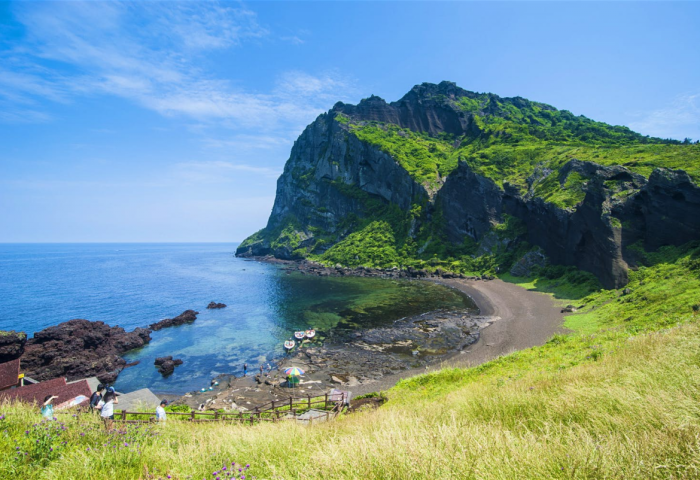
x: 310, y: 333
x: 299, y: 335
x: 289, y: 344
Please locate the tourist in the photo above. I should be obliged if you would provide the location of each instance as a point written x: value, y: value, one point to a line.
x: 106, y: 407
x: 47, y: 408
x: 160, y: 411
x: 96, y: 397
x: 261, y: 370
x: 245, y: 369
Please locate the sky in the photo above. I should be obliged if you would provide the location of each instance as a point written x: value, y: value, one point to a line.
x: 158, y: 121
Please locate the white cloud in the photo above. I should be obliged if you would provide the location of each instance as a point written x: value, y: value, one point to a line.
x: 679, y: 120
x: 150, y: 53
x: 220, y: 171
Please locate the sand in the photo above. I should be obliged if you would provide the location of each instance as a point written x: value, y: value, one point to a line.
x: 522, y: 319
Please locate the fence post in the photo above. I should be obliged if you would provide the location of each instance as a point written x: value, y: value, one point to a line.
x: 273, y: 405
x: 240, y: 416
x: 216, y: 414
x: 309, y: 399
x: 192, y: 416
x: 325, y: 402
x: 290, y: 403
x: 123, y: 415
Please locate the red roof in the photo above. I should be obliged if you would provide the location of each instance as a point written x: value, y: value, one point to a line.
x: 9, y: 374
x: 36, y: 392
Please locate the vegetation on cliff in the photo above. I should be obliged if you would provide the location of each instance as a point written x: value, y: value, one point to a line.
x: 589, y: 177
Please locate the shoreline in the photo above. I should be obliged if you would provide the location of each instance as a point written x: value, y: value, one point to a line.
x: 511, y: 318
x: 522, y: 319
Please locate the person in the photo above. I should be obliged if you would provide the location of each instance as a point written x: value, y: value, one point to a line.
x: 106, y: 407
x: 96, y: 397
x: 261, y: 370
x: 245, y: 369
x: 160, y: 411
x: 47, y: 408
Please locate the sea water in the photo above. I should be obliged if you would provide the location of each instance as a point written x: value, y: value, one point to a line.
x: 134, y: 285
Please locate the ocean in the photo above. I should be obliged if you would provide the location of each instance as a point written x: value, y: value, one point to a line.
x: 134, y: 285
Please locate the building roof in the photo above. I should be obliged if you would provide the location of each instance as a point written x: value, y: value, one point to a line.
x: 138, y: 400
x: 58, y: 386
x: 9, y: 374
x: 36, y: 392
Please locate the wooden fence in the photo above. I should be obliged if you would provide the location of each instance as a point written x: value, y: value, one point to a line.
x: 274, y: 411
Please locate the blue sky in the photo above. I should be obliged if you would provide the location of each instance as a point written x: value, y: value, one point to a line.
x: 171, y: 121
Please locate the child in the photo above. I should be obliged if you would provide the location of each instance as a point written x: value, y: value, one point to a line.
x: 106, y: 407
x: 47, y: 409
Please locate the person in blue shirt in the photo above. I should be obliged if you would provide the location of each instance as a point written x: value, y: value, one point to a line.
x: 47, y: 408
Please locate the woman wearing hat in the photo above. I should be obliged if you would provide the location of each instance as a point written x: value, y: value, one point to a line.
x: 106, y: 407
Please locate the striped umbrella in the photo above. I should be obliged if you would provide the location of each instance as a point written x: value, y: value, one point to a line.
x: 294, y: 371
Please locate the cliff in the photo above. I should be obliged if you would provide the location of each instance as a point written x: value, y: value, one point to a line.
x: 470, y: 181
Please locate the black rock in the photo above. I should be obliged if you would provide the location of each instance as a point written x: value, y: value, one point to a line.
x: 188, y: 316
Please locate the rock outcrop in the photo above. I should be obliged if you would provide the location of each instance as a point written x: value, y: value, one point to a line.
x: 80, y: 348
x: 11, y: 345
x: 214, y: 305
x: 333, y: 180
x: 166, y: 365
x: 188, y: 316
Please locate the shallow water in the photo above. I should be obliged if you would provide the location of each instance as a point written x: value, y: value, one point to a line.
x: 133, y: 285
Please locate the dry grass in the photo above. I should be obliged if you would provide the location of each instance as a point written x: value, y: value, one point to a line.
x: 632, y: 414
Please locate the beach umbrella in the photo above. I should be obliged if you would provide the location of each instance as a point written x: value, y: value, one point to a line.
x: 294, y: 371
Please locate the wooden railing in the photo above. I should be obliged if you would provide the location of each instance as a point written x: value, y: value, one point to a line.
x: 274, y: 411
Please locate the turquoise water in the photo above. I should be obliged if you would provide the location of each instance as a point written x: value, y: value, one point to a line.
x: 133, y: 285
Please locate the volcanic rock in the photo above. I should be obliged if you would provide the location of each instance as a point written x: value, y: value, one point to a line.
x: 332, y: 174
x: 11, y: 345
x: 80, y: 348
x: 214, y: 305
x: 166, y: 365
x: 188, y: 316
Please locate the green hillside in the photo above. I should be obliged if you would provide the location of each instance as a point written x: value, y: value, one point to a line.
x: 616, y: 398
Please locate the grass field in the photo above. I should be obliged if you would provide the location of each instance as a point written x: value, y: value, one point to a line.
x: 616, y: 398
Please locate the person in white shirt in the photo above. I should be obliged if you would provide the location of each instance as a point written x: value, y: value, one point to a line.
x: 160, y: 411
x: 106, y: 407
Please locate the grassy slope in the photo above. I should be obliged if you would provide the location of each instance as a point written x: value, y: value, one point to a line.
x: 615, y: 398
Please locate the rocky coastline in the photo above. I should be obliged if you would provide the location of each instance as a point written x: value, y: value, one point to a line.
x: 308, y: 267
x: 82, y: 348
x: 349, y: 361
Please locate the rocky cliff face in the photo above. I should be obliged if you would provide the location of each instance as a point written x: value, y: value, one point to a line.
x: 80, y: 348
x: 326, y: 182
x: 334, y: 181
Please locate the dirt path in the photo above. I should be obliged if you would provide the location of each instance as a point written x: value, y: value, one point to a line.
x: 523, y: 319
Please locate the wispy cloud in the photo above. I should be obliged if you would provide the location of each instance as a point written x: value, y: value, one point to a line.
x: 150, y: 53
x: 220, y: 171
x: 679, y: 120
